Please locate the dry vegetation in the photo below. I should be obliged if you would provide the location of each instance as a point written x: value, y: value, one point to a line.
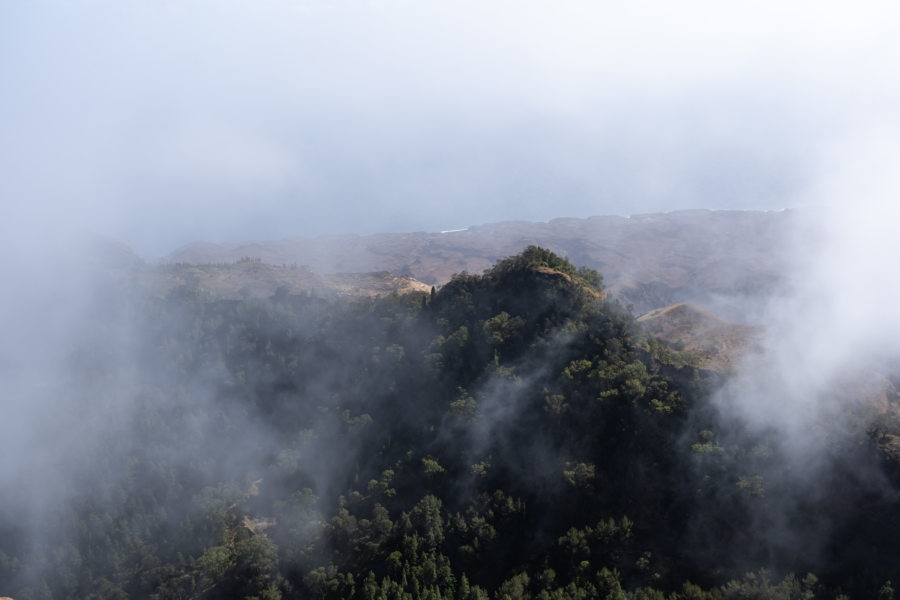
x: 716, y: 343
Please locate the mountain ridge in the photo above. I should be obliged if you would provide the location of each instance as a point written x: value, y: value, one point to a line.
x: 727, y: 261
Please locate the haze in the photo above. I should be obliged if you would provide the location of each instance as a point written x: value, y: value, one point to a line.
x: 161, y: 123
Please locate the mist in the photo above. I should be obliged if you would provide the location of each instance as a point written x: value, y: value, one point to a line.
x: 156, y: 124
x: 162, y: 123
x: 836, y: 315
x: 812, y: 392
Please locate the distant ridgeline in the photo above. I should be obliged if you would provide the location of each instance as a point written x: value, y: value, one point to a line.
x: 727, y: 261
x: 510, y: 435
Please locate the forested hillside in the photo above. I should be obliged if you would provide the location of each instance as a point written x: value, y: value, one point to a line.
x: 511, y: 435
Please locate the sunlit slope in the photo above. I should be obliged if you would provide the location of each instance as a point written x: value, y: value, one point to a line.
x: 707, y: 341
x: 716, y: 343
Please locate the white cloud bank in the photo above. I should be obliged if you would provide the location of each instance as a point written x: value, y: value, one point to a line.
x: 294, y: 117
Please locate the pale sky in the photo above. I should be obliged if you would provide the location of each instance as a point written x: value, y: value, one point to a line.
x: 162, y: 122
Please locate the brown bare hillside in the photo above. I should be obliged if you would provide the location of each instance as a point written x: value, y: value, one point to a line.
x: 717, y: 343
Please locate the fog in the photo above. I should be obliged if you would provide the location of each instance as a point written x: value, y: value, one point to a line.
x: 161, y: 123
x: 836, y: 315
x: 827, y: 357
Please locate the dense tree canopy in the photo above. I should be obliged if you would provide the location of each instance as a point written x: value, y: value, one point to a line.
x: 511, y: 435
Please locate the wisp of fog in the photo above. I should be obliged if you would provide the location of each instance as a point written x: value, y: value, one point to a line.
x: 829, y: 349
